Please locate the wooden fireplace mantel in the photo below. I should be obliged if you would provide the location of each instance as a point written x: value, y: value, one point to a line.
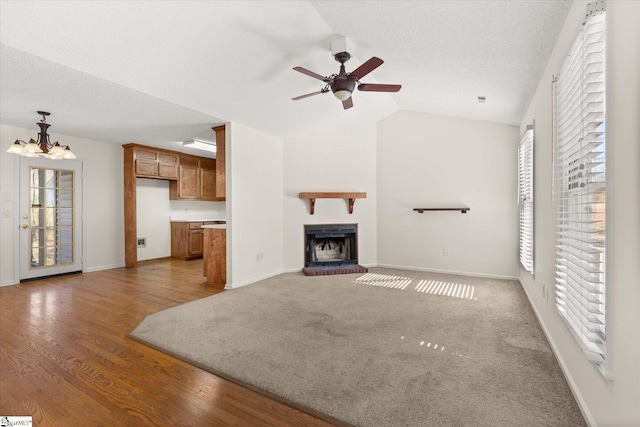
x: 312, y: 196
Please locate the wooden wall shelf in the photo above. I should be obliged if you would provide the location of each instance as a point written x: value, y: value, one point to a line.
x: 312, y: 196
x: 463, y: 210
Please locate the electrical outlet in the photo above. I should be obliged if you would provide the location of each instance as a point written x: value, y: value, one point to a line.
x: 445, y: 252
x: 6, y: 197
x: 259, y: 257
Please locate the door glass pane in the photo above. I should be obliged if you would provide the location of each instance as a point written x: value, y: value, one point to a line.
x: 66, y: 198
x: 66, y: 179
x: 65, y: 217
x: 52, y: 207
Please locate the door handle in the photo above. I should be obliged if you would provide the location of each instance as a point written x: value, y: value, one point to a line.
x: 25, y: 226
x: 25, y: 216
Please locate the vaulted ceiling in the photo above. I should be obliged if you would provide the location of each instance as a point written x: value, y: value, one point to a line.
x: 166, y: 71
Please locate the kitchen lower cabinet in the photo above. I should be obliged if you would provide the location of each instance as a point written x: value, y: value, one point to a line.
x: 187, y: 239
x: 215, y: 256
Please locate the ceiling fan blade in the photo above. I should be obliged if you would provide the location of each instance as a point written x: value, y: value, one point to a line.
x: 371, y: 87
x: 308, y: 95
x: 347, y: 103
x: 311, y: 73
x: 367, y: 67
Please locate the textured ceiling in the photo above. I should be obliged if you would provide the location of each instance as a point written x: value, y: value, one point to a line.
x: 162, y: 72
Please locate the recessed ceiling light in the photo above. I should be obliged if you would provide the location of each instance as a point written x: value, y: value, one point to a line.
x: 482, y: 99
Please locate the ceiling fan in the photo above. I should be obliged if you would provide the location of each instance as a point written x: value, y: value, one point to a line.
x: 343, y: 83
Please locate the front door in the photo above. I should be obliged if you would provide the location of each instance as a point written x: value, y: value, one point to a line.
x: 50, y: 217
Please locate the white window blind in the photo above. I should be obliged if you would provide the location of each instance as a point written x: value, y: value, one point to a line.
x: 525, y: 198
x: 580, y: 187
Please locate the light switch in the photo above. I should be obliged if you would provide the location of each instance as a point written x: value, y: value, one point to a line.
x: 6, y: 213
x: 6, y: 197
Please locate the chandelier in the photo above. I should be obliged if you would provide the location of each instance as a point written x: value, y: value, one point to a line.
x: 43, y: 147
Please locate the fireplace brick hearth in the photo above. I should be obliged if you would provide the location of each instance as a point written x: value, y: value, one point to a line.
x: 338, y: 269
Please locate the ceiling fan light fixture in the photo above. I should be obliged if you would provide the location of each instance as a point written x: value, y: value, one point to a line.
x: 342, y: 87
x: 343, y: 94
x: 343, y: 84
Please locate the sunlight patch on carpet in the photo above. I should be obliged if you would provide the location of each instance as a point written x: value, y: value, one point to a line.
x: 448, y: 289
x: 395, y: 282
x: 432, y: 346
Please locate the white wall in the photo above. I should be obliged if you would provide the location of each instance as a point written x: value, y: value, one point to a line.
x: 604, y: 403
x: 103, y: 200
x: 427, y: 160
x: 154, y: 211
x: 254, y: 205
x: 344, y: 160
x: 8, y: 226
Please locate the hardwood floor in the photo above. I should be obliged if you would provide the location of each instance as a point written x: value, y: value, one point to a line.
x: 66, y: 360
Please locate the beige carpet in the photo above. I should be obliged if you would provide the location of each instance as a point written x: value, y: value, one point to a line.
x: 387, y: 348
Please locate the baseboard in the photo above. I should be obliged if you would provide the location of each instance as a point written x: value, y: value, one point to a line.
x: 458, y: 273
x: 87, y: 270
x: 254, y: 280
x: 102, y: 267
x: 563, y: 367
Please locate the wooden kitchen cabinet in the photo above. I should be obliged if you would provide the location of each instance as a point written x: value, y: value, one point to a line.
x: 208, y: 179
x: 196, y: 181
x: 215, y: 257
x: 188, y: 185
x: 150, y: 163
x: 221, y: 157
x: 186, y: 240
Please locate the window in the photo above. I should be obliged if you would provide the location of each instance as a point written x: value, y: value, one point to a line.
x: 580, y: 187
x: 525, y: 198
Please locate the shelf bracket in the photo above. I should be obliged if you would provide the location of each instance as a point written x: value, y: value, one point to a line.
x: 352, y: 201
x: 351, y: 196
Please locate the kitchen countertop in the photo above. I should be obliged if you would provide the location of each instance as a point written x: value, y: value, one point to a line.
x: 224, y: 221
x: 217, y: 226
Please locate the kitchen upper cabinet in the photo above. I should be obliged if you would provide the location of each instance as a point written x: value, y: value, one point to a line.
x: 150, y: 163
x: 197, y: 180
x: 208, y: 178
x: 221, y: 179
x: 188, y: 186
